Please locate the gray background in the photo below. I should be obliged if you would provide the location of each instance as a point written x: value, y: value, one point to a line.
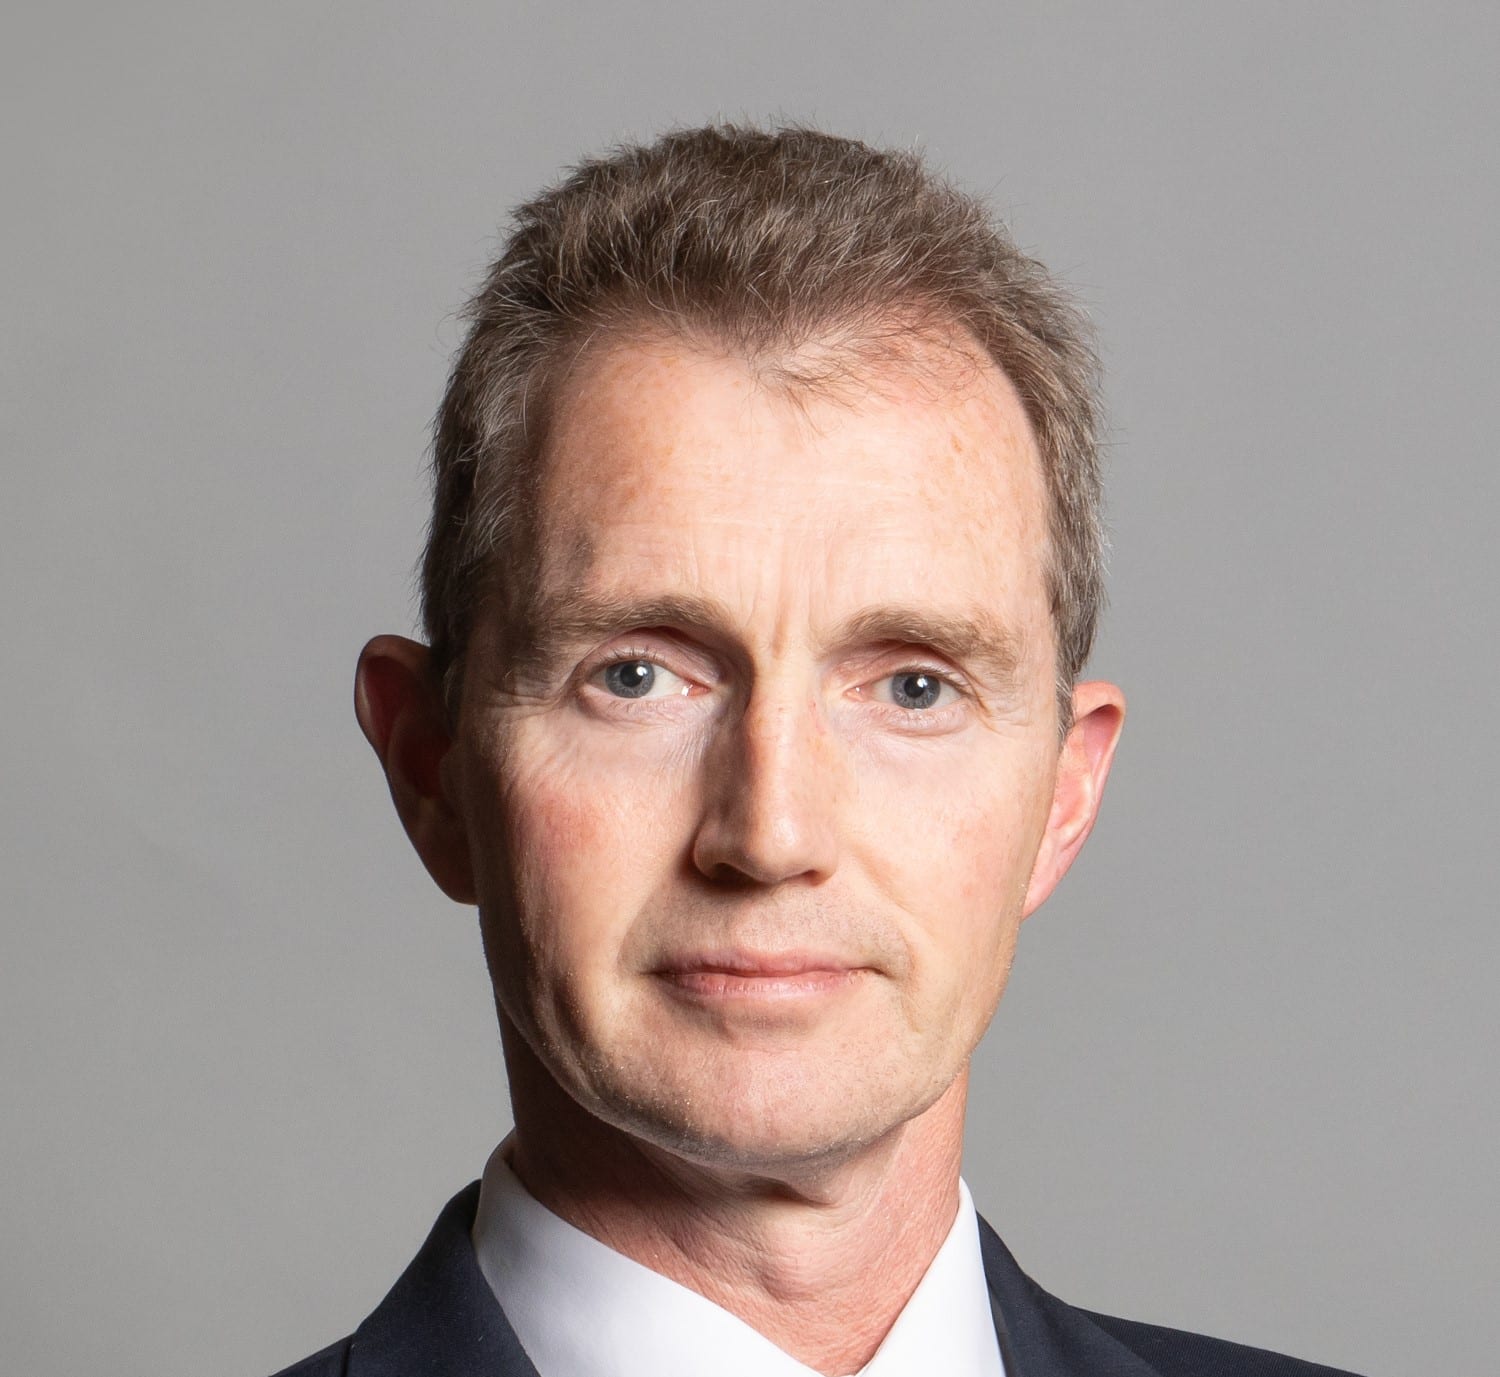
x: 1245, y: 1079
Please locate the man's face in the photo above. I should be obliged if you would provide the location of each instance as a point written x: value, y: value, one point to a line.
x: 754, y: 804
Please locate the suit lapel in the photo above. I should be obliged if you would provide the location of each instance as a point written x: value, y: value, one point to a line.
x: 441, y: 1319
x: 1041, y: 1336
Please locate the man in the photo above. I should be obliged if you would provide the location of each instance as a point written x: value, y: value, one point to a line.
x: 764, y: 561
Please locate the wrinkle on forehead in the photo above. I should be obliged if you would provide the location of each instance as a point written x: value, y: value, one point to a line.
x: 930, y: 367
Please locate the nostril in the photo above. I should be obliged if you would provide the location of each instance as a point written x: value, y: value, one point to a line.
x: 750, y: 840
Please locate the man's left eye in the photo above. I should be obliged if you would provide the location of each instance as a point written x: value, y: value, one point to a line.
x: 918, y: 690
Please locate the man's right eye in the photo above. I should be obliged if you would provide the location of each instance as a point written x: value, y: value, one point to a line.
x: 641, y: 679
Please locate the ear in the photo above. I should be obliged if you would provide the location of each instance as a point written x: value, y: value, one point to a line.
x: 1082, y: 768
x: 401, y: 712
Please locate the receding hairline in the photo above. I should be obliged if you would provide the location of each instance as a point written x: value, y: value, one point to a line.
x: 842, y: 364
x: 841, y: 357
x: 844, y: 361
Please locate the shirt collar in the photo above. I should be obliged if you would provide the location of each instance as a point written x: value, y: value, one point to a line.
x: 580, y: 1309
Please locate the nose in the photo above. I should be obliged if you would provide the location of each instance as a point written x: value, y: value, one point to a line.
x: 771, y: 795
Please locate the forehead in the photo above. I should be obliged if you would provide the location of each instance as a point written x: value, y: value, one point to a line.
x: 911, y: 474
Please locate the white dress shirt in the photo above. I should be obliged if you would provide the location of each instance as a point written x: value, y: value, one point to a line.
x: 580, y: 1309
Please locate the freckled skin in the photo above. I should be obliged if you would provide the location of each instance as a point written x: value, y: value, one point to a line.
x: 780, y: 801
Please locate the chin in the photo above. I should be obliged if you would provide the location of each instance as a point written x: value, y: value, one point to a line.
x: 763, y: 1120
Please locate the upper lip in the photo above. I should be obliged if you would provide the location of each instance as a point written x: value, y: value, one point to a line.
x: 754, y: 963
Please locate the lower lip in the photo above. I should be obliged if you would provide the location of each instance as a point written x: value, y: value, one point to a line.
x: 739, y: 985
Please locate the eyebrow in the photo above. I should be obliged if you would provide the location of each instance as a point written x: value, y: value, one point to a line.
x: 980, y: 639
x: 556, y: 622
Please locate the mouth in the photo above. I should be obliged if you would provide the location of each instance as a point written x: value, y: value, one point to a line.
x: 757, y: 976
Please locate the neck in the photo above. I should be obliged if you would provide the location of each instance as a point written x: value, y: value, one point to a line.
x: 818, y: 1256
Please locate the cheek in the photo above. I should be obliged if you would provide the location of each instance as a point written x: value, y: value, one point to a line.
x: 991, y: 859
x: 953, y: 845
x: 946, y: 819
x: 589, y: 844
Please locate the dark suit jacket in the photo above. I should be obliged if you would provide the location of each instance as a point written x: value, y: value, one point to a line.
x: 442, y: 1320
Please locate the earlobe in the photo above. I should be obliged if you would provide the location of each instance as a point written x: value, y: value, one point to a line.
x: 402, y: 716
x: 1082, y: 770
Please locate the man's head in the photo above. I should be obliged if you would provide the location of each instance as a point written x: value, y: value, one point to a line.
x: 753, y: 609
x: 808, y: 255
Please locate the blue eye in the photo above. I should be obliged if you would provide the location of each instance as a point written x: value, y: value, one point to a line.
x: 630, y: 678
x: 916, y: 690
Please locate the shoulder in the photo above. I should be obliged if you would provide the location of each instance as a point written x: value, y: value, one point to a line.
x: 326, y: 1362
x: 1043, y: 1334
x: 1176, y: 1353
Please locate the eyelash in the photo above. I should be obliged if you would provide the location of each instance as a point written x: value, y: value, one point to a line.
x: 948, y: 676
x: 627, y: 657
